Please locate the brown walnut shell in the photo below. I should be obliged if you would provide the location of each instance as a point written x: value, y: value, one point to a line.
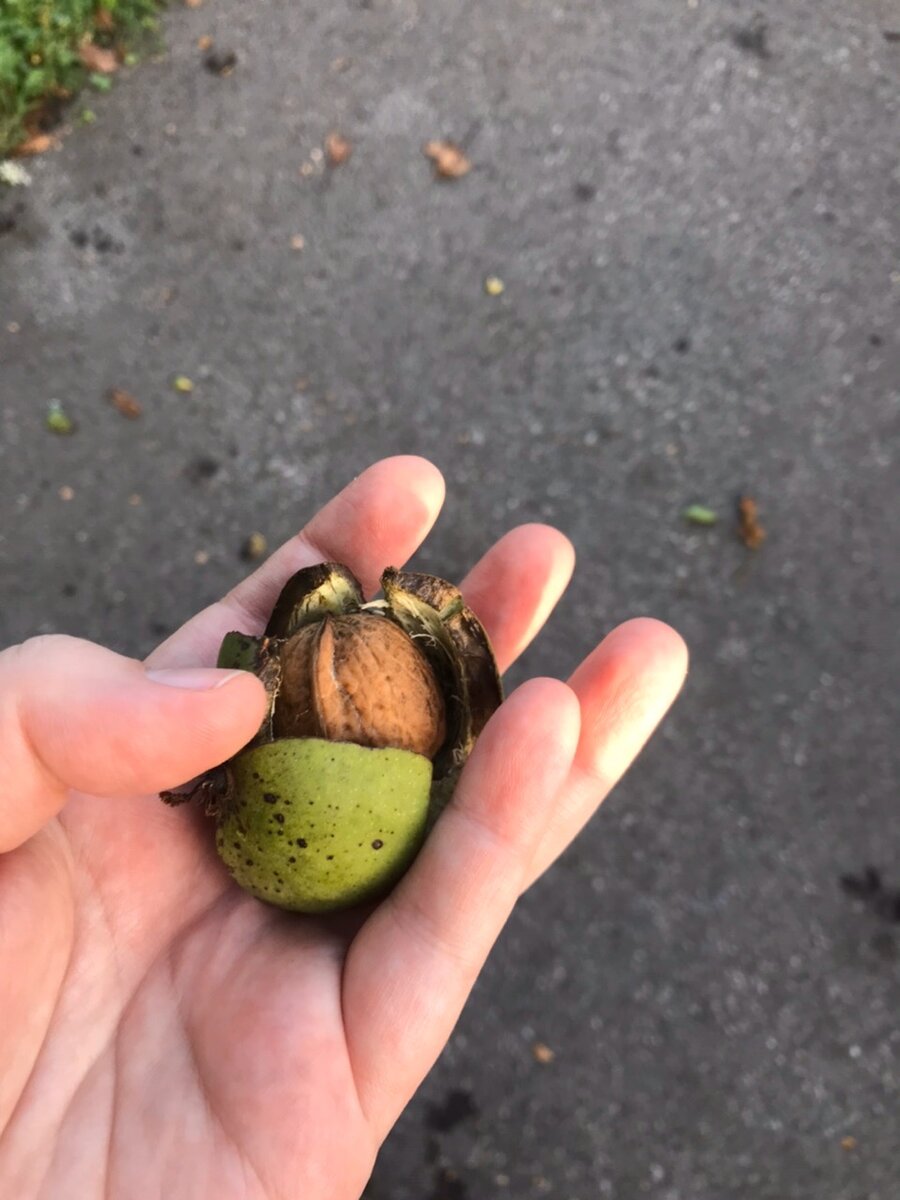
x: 359, y: 678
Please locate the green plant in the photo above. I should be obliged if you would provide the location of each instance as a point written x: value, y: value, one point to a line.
x: 39, y: 43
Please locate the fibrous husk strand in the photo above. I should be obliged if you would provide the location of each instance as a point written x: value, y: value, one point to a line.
x: 214, y: 790
x: 434, y: 614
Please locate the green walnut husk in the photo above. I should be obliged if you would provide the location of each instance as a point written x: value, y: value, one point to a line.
x: 323, y: 824
x: 373, y: 710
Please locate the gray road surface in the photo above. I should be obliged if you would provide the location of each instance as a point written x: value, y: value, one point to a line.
x: 696, y: 221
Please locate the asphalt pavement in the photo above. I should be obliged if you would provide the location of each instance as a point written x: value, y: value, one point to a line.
x: 694, y: 210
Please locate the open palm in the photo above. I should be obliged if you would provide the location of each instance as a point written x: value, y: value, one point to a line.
x: 164, y: 1035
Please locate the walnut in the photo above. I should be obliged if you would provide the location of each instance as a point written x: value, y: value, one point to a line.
x: 373, y: 709
x: 359, y: 678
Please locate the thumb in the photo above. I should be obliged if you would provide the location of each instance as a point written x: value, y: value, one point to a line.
x: 74, y: 715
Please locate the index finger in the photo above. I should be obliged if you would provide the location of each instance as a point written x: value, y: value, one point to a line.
x: 381, y: 517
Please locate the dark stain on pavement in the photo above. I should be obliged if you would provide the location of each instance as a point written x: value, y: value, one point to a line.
x: 753, y: 38
x: 448, y: 1186
x: 883, y: 901
x: 456, y: 1107
x: 200, y: 469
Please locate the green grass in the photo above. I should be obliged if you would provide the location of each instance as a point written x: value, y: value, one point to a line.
x: 39, y: 61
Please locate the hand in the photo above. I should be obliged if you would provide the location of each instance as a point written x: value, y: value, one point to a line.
x: 165, y: 1036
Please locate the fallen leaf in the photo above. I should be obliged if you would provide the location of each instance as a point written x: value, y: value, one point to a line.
x: 205, y: 42
x: 58, y: 420
x: 750, y: 531
x: 298, y: 241
x: 542, y: 1054
x: 66, y: 493
x: 255, y: 547
x: 220, y: 62
x: 98, y: 58
x: 699, y: 514
x: 87, y: 116
x: 193, y: 3
x: 848, y: 1143
x: 104, y: 20
x: 494, y: 286
x: 337, y: 149
x: 181, y: 383
x: 128, y: 405
x: 100, y: 82
x: 37, y: 143
x: 450, y: 161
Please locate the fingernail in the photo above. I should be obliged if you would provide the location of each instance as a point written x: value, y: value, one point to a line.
x: 193, y: 679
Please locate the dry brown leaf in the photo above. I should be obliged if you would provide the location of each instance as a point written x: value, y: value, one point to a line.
x: 450, y: 161
x: 104, y: 20
x: 205, y: 42
x: 96, y: 58
x: 542, y: 1054
x: 193, y: 3
x: 337, y: 149
x: 750, y: 531
x: 36, y: 143
x: 128, y: 405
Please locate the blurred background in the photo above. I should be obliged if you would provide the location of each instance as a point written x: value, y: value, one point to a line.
x: 670, y: 276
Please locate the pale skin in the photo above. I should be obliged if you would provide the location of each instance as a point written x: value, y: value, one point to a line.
x: 164, y: 1036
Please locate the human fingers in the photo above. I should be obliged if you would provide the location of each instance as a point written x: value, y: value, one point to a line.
x: 411, y: 967
x: 517, y: 584
x: 74, y: 715
x: 378, y: 520
x: 625, y: 687
x: 512, y: 589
